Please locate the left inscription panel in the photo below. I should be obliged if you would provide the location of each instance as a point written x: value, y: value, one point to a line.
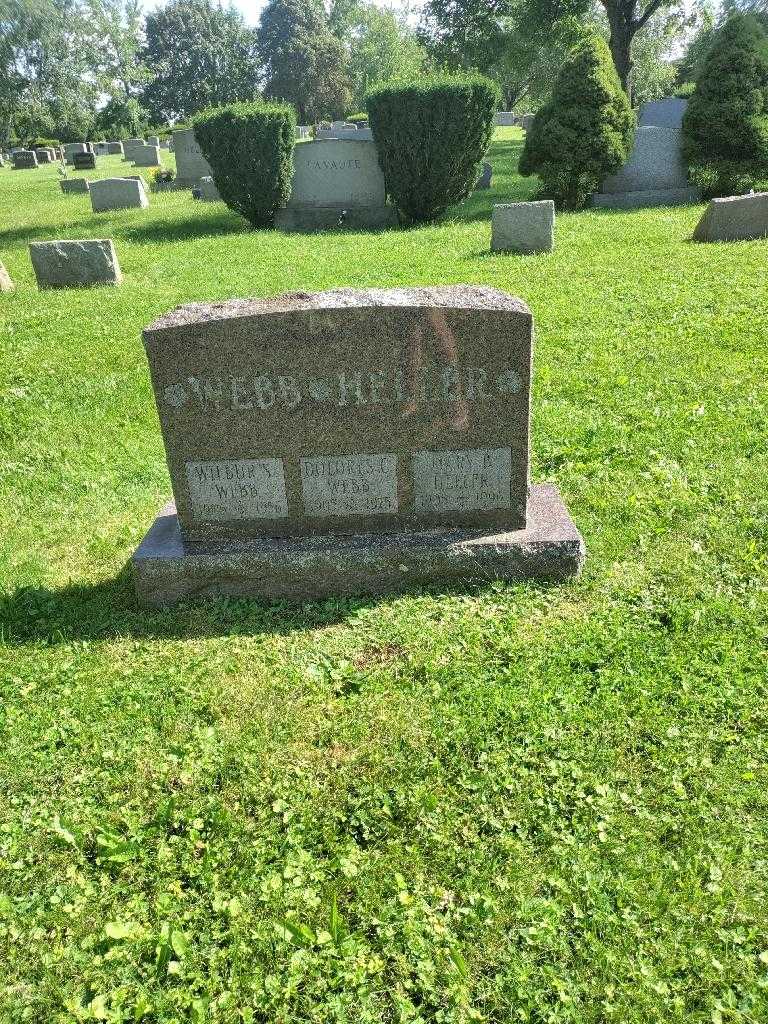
x: 225, y: 489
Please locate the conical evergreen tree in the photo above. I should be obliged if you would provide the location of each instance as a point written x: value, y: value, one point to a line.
x: 586, y: 130
x: 725, y: 128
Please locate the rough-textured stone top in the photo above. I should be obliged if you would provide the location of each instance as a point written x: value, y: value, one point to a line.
x: 441, y: 296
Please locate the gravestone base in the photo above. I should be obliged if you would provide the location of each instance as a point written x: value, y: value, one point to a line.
x: 167, y: 570
x: 648, y: 197
x: 325, y: 218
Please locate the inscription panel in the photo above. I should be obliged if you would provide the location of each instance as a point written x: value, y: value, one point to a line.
x: 228, y: 489
x: 348, y: 485
x: 477, y: 480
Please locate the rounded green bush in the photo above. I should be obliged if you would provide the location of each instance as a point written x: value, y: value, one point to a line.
x: 585, y: 132
x: 725, y: 127
x: 431, y: 136
x: 249, y: 147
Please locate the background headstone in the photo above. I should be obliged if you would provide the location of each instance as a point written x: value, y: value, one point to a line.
x: 381, y: 435
x: 335, y: 182
x: 24, y: 160
x: 654, y: 174
x: 84, y: 161
x: 191, y: 165
x: 523, y: 227
x: 666, y: 113
x: 69, y: 185
x: 504, y: 118
x: 74, y: 264
x: 146, y: 156
x: 115, y: 148
x: 734, y: 219
x: 117, y: 194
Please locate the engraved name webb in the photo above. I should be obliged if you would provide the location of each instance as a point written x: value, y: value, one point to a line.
x: 345, y: 412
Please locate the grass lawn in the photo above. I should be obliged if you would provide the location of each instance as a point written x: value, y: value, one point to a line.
x: 506, y: 804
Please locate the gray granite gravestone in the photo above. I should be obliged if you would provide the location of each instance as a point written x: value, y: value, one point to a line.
x: 191, y: 165
x: 84, y: 161
x: 117, y: 194
x: 69, y: 185
x: 666, y: 113
x: 44, y: 156
x: 336, y: 183
x: 504, y: 118
x: 145, y: 156
x: 654, y: 174
x: 734, y: 219
x: 75, y: 264
x: 348, y: 442
x: 523, y: 227
x: 24, y: 160
x: 115, y: 149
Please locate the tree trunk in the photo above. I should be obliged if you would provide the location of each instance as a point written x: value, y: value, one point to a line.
x: 621, y: 21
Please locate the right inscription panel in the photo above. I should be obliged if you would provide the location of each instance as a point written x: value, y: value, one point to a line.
x: 478, y: 480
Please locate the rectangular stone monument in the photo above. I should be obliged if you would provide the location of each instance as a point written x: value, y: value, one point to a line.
x: 130, y: 146
x: 336, y: 184
x: 75, y: 264
x: 666, y: 113
x: 84, y: 161
x: 348, y: 442
x: 73, y: 149
x: 44, y: 156
x: 146, y: 156
x: 69, y: 185
x: 117, y: 194
x: 115, y: 149
x: 24, y: 160
x: 191, y: 165
x: 504, y: 118
x: 734, y: 219
x: 523, y: 227
x: 654, y: 174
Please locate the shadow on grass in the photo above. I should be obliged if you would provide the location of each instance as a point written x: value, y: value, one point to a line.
x: 37, y: 233
x: 175, y: 230
x: 110, y: 610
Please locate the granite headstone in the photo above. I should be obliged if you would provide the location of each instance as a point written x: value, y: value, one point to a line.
x: 336, y: 183
x: 191, y: 165
x: 348, y: 441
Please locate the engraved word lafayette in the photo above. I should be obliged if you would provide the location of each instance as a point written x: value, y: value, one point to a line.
x: 347, y: 442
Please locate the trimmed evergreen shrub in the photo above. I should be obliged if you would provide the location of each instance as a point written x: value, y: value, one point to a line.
x: 431, y: 136
x: 250, y: 149
x: 585, y: 132
x: 725, y: 128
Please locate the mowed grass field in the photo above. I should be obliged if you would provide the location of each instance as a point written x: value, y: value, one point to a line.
x: 509, y: 803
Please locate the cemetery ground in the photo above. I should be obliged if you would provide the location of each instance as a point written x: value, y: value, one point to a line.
x: 500, y: 803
